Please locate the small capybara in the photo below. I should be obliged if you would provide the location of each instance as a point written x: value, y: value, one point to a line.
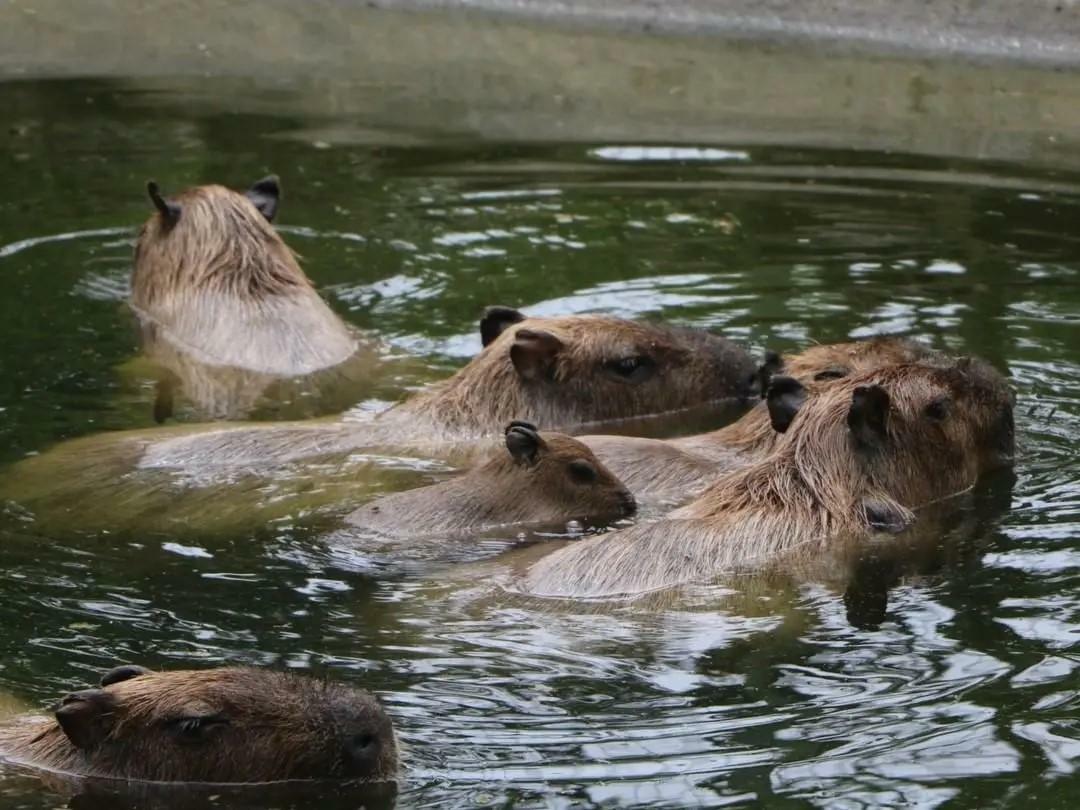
x: 219, y: 725
x: 223, y: 305
x: 859, y: 456
x: 540, y: 478
x: 674, y: 470
x: 562, y: 372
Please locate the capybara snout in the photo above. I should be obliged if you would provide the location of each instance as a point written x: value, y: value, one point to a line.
x: 219, y: 725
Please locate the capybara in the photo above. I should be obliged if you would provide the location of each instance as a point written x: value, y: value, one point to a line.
x: 674, y: 470
x: 859, y: 456
x: 216, y: 290
x: 539, y: 478
x: 88, y: 483
x: 559, y: 372
x: 216, y: 725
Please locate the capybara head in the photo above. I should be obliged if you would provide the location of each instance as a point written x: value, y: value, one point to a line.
x: 577, y: 369
x: 914, y: 432
x: 834, y: 361
x: 559, y: 477
x: 217, y: 725
x: 213, y: 237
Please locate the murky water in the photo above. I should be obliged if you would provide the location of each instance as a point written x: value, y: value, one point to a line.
x: 966, y: 694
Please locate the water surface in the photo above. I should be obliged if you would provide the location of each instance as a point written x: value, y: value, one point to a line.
x: 966, y: 695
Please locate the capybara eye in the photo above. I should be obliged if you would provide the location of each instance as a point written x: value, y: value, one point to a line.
x: 937, y: 410
x: 636, y: 368
x: 834, y: 373
x: 194, y: 729
x: 582, y: 472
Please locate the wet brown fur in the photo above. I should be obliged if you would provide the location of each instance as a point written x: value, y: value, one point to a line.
x: 475, y: 403
x: 220, y: 285
x: 816, y: 487
x: 279, y: 726
x: 504, y: 491
x: 674, y: 470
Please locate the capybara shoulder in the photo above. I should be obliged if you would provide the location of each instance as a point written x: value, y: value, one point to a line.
x: 217, y: 725
x: 856, y: 458
x: 538, y: 478
x: 217, y: 282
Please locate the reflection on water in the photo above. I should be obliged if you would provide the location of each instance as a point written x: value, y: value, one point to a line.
x: 946, y: 677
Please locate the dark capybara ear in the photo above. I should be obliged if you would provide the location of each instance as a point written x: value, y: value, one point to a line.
x: 885, y: 516
x: 524, y: 443
x: 494, y: 322
x: 534, y: 353
x: 86, y: 717
x: 170, y: 211
x: 760, y: 379
x: 265, y: 195
x: 783, y: 399
x: 124, y: 673
x: 868, y: 416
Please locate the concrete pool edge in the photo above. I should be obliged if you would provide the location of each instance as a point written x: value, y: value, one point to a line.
x: 1033, y: 32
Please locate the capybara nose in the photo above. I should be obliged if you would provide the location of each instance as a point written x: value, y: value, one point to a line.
x: 627, y: 504
x: 361, y: 753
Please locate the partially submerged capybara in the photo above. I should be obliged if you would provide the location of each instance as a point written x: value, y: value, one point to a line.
x: 858, y: 457
x: 216, y: 290
x: 216, y: 725
x: 134, y: 478
x: 561, y: 372
x: 677, y: 469
x: 539, y: 478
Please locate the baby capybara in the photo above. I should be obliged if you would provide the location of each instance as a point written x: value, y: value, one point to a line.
x: 539, y: 478
x: 859, y: 456
x: 677, y: 469
x: 215, y: 286
x: 216, y: 725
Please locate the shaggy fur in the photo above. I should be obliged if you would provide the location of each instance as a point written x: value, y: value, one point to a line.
x: 222, y: 287
x: 816, y: 487
x: 218, y: 725
x: 504, y: 491
x: 690, y: 367
x: 678, y: 469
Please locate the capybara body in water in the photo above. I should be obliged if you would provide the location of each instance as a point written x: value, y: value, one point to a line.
x: 539, y: 478
x: 217, y: 725
x: 674, y: 470
x: 859, y: 456
x: 559, y: 372
x: 89, y: 482
x: 223, y: 305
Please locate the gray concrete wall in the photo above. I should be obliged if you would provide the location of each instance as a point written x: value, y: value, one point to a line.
x: 491, y: 69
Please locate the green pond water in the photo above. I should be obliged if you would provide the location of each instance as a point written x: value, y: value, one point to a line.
x: 967, y: 693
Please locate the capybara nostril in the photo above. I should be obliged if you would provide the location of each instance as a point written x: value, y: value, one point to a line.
x: 361, y: 753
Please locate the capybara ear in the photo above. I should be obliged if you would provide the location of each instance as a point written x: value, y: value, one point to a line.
x: 760, y: 379
x: 524, y: 443
x: 265, y: 195
x: 494, y: 322
x: 86, y: 717
x: 868, y: 416
x: 534, y: 353
x: 124, y: 673
x: 783, y: 399
x: 170, y: 211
